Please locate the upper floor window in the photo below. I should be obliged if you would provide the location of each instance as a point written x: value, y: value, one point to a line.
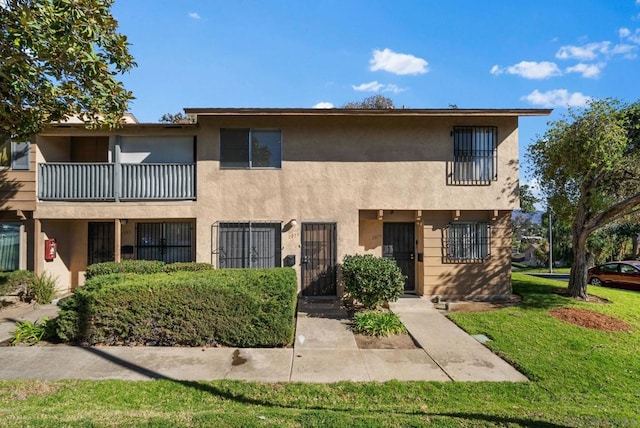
x: 475, y: 155
x: 250, y: 148
x: 467, y: 242
x: 14, y: 155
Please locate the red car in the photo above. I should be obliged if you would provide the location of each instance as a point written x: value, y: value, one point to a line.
x: 625, y: 274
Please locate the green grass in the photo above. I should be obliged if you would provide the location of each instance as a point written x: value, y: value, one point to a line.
x: 580, y: 378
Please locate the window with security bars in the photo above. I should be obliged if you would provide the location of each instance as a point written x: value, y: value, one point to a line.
x: 168, y: 242
x: 249, y: 244
x: 475, y: 155
x: 468, y: 241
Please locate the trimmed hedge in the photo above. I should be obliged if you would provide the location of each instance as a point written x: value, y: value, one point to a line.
x: 233, y: 307
x: 142, y: 267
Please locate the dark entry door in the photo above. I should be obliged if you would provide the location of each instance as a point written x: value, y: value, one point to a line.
x: 398, y: 243
x: 101, y: 242
x: 318, y: 264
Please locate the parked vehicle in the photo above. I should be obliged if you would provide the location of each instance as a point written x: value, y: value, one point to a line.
x: 625, y: 274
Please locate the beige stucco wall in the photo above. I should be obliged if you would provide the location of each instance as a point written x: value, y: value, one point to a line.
x: 333, y: 168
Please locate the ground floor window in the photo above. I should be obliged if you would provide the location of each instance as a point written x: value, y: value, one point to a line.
x: 9, y: 246
x: 249, y: 244
x: 100, y: 242
x: 167, y: 242
x: 467, y: 241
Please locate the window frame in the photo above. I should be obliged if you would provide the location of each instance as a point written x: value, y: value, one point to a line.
x: 475, y: 160
x: 12, y: 148
x: 467, y: 241
x: 276, y: 160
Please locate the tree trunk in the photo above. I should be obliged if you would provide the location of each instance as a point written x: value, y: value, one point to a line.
x: 578, y: 276
x: 634, y: 244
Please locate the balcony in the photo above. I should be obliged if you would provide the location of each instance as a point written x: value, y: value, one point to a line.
x: 73, y: 181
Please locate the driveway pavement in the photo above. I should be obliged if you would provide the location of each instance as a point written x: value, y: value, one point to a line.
x: 324, y: 351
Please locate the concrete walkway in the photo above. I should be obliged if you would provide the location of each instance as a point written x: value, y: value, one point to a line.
x: 324, y: 351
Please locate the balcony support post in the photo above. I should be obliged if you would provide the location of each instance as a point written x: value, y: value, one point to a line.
x: 117, y: 171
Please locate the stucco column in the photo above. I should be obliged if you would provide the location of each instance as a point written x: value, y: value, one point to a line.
x: 117, y: 242
x: 38, y: 246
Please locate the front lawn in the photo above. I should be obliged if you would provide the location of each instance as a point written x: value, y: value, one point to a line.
x: 580, y: 378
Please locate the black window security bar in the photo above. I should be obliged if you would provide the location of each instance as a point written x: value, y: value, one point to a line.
x: 247, y: 244
x: 467, y: 242
x: 168, y: 242
x: 475, y: 155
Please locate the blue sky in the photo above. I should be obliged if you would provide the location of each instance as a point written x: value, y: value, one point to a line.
x: 421, y: 54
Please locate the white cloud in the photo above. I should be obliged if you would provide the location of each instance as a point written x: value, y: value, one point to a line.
x: 496, y: 70
x: 397, y: 63
x: 556, y: 98
x: 590, y: 71
x: 630, y: 36
x: 530, y: 69
x: 323, y: 104
x: 393, y: 88
x: 374, y: 86
x: 587, y: 52
x: 194, y: 15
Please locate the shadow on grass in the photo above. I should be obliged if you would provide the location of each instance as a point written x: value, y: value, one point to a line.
x: 501, y: 421
x: 227, y: 394
x: 539, y: 294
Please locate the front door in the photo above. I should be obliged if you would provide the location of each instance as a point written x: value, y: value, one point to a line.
x: 318, y: 264
x: 398, y: 243
x: 101, y: 242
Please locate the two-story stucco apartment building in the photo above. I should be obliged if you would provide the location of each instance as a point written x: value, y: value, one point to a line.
x: 432, y: 188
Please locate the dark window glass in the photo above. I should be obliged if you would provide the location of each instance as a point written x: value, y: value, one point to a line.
x: 234, y: 148
x: 245, y: 148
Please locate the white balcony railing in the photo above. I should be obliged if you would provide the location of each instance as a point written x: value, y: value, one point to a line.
x: 72, y: 181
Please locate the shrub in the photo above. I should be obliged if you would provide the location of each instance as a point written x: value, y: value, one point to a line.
x: 234, y: 307
x: 374, y: 323
x: 30, y: 333
x: 142, y: 267
x: 29, y: 286
x: 42, y: 289
x: 372, y: 280
x: 18, y: 282
x: 125, y: 266
x: 187, y: 266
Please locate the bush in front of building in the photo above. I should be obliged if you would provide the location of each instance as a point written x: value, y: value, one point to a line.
x: 142, y: 267
x: 125, y: 266
x: 29, y: 286
x: 372, y: 281
x: 186, y: 266
x: 232, y: 307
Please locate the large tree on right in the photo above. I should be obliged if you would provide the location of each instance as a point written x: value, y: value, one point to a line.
x: 588, y: 165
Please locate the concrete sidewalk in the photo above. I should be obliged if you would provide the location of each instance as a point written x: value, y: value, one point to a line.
x: 324, y: 351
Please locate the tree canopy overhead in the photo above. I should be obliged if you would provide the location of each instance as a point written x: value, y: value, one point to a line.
x: 588, y: 165
x: 60, y: 58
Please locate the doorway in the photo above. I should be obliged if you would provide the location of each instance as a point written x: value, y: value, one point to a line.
x: 398, y: 243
